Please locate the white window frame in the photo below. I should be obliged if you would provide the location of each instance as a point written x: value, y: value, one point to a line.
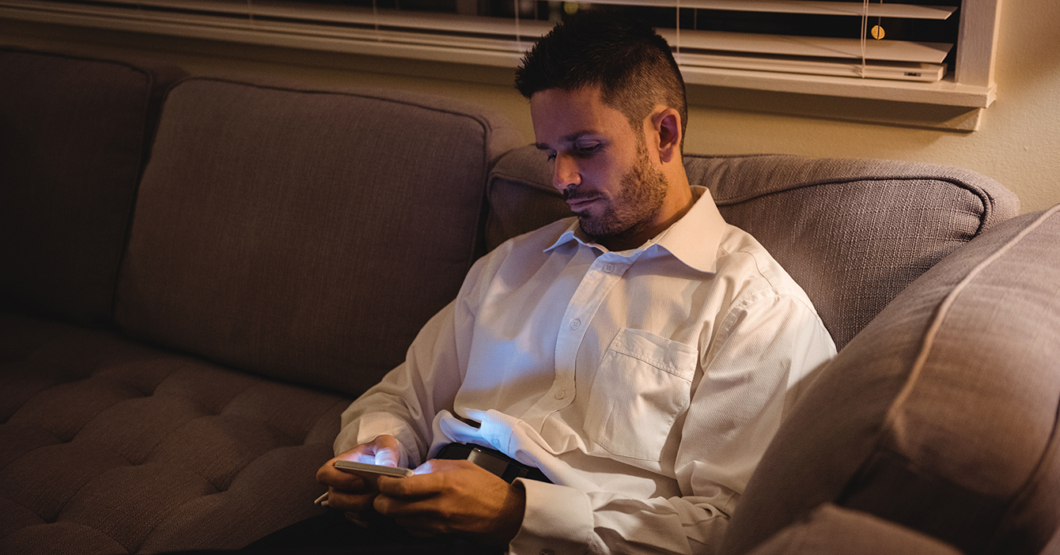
x: 970, y: 87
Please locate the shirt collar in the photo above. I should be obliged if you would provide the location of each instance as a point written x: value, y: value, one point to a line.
x: 694, y: 239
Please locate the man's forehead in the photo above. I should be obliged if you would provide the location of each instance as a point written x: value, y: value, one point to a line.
x: 582, y: 98
x: 562, y: 117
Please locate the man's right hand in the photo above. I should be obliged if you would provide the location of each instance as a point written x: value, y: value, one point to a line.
x: 349, y: 492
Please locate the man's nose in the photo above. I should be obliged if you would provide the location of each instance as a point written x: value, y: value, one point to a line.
x: 565, y: 173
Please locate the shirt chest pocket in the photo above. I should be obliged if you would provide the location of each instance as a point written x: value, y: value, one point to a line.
x: 643, y: 383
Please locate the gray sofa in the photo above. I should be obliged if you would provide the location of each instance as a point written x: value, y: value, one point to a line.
x: 198, y: 275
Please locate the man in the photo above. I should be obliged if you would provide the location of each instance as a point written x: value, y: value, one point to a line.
x: 640, y: 355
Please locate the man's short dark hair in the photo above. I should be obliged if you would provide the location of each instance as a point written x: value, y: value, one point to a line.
x: 624, y: 57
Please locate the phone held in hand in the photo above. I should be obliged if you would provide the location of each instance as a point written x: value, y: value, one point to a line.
x: 369, y: 470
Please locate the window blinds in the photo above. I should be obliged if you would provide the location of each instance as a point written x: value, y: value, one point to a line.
x: 501, y: 41
x: 805, y: 46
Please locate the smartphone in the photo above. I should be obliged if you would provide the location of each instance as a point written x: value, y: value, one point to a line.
x: 372, y: 470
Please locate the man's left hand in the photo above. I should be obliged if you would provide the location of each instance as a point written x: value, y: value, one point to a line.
x: 454, y: 497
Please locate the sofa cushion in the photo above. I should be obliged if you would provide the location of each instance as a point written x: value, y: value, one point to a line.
x: 831, y: 530
x: 304, y: 235
x: 941, y: 415
x: 107, y: 446
x: 74, y: 136
x: 853, y: 233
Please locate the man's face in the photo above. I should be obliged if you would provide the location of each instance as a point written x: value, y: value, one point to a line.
x: 601, y: 164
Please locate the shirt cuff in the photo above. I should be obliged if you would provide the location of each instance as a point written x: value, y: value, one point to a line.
x: 558, y: 520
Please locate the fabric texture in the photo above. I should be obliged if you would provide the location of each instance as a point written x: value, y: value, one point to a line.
x: 645, y: 384
x: 831, y: 530
x: 941, y: 415
x: 305, y: 236
x: 75, y: 135
x: 333, y: 534
x: 108, y: 446
x: 852, y: 233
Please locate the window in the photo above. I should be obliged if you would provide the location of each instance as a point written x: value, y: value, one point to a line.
x: 928, y: 52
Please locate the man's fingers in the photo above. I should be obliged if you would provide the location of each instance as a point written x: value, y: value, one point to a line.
x: 413, y: 487
x: 335, y: 478
x: 350, y: 502
x: 431, y: 478
x: 386, y: 456
x: 384, y: 450
x: 453, y: 497
x: 408, y: 510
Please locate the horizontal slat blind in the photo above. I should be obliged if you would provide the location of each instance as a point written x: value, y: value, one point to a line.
x: 504, y: 39
x: 877, y: 9
x: 811, y: 47
x: 822, y: 55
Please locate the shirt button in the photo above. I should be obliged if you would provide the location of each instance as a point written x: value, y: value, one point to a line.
x: 609, y: 267
x: 575, y: 324
x: 561, y: 394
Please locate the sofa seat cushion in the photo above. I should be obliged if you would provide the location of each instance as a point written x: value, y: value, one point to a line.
x: 74, y: 135
x: 852, y: 233
x: 942, y: 414
x: 107, y: 446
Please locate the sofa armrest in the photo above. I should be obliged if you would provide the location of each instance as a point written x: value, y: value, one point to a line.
x: 832, y: 530
x: 941, y: 415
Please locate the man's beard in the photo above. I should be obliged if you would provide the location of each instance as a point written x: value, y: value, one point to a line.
x: 639, y: 198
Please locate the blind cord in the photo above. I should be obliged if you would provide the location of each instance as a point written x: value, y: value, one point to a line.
x: 864, y: 35
x: 678, y: 27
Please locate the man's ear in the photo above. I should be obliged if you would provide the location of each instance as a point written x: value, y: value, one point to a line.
x: 667, y: 124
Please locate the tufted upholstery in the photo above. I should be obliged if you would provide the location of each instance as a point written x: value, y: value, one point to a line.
x: 115, y: 447
x: 163, y: 364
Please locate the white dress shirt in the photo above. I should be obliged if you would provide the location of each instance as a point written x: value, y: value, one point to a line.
x: 645, y: 384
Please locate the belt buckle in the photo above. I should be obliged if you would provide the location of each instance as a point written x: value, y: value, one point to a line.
x: 488, y: 461
x: 495, y: 462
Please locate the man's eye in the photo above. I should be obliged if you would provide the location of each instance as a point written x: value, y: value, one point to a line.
x: 587, y: 150
x: 551, y: 157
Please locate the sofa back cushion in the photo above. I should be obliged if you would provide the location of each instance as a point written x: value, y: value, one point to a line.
x: 74, y: 134
x: 304, y: 235
x: 852, y: 233
x: 942, y: 414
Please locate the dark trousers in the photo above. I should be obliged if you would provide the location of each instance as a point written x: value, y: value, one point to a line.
x: 332, y: 534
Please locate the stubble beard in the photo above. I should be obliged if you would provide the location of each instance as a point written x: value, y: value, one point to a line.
x: 640, y: 197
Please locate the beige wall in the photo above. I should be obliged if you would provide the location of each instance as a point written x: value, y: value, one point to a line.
x: 1018, y: 141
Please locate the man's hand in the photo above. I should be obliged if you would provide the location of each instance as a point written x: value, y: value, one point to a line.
x: 349, y: 492
x: 454, y: 497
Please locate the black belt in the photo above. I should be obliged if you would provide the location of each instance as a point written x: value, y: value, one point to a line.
x: 492, y: 460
